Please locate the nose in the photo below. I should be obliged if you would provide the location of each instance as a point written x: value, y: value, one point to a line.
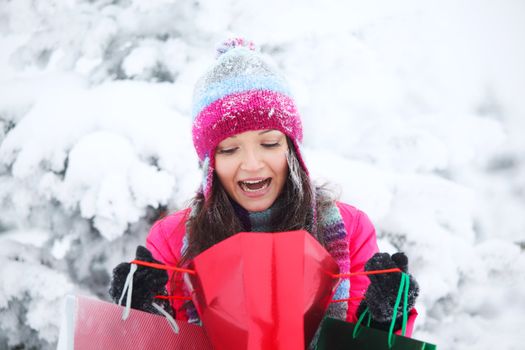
x: 251, y: 160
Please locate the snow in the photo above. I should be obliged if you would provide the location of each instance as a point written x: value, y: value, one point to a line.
x: 412, y: 111
x: 30, y: 295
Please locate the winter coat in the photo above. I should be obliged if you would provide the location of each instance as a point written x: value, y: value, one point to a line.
x: 165, y: 243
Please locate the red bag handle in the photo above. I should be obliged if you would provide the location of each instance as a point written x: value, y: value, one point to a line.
x: 192, y: 272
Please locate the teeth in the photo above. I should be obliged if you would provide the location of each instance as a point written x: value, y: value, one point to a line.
x: 244, y: 185
x: 253, y: 182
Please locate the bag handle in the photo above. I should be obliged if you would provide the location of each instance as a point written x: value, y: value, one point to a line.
x: 359, y: 273
x: 192, y: 272
x: 340, y: 276
x: 128, y: 290
x: 162, y: 266
x: 404, y: 285
x: 356, y: 328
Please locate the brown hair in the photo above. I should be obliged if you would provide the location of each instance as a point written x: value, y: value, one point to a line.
x: 215, y: 220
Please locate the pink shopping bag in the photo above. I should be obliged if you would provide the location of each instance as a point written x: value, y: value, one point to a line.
x: 93, y: 324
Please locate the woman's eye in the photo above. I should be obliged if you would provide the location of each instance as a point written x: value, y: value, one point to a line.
x: 271, y: 144
x: 227, y: 150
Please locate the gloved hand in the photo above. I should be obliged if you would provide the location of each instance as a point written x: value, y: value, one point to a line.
x: 147, y: 283
x: 380, y: 297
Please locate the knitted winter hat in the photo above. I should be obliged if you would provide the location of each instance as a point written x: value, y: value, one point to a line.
x: 241, y: 92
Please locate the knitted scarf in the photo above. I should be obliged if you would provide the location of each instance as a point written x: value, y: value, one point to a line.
x: 330, y: 225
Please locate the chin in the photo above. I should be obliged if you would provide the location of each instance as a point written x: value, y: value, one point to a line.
x: 255, y: 207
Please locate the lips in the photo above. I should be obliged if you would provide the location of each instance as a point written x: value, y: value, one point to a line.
x: 252, y: 186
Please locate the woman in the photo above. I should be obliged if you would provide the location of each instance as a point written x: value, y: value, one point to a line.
x: 247, y: 133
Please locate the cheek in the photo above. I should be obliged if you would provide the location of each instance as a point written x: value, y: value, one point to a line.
x: 281, y: 167
x: 224, y: 170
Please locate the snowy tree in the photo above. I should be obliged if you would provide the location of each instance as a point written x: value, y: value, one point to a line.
x: 413, y: 110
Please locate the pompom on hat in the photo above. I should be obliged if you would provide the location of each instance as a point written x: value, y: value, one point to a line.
x: 241, y: 92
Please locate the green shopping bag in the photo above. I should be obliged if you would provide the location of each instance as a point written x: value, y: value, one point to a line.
x: 336, y: 334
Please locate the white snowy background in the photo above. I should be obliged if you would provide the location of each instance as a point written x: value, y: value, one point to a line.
x: 414, y: 109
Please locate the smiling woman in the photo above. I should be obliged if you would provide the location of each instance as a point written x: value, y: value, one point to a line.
x: 247, y: 133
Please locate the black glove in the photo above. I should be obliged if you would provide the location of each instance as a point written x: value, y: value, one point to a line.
x: 147, y: 283
x: 380, y: 297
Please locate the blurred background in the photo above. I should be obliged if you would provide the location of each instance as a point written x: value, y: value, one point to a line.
x: 414, y: 112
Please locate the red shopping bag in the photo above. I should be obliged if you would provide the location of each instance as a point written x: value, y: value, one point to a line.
x: 263, y: 290
x: 93, y: 324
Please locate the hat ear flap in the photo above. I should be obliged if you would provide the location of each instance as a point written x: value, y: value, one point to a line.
x: 207, y: 176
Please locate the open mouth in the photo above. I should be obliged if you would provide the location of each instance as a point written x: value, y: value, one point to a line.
x: 255, y: 185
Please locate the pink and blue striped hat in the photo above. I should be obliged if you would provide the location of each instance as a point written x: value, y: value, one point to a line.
x: 242, y: 91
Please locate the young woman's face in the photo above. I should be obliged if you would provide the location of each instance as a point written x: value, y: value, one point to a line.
x: 252, y: 167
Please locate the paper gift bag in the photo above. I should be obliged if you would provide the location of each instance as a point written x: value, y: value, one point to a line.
x: 339, y: 335
x: 93, y: 324
x: 263, y: 290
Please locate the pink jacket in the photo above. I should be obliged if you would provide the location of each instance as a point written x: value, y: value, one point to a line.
x: 165, y: 243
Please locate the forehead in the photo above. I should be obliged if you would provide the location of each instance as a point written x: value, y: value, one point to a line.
x: 255, y: 134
